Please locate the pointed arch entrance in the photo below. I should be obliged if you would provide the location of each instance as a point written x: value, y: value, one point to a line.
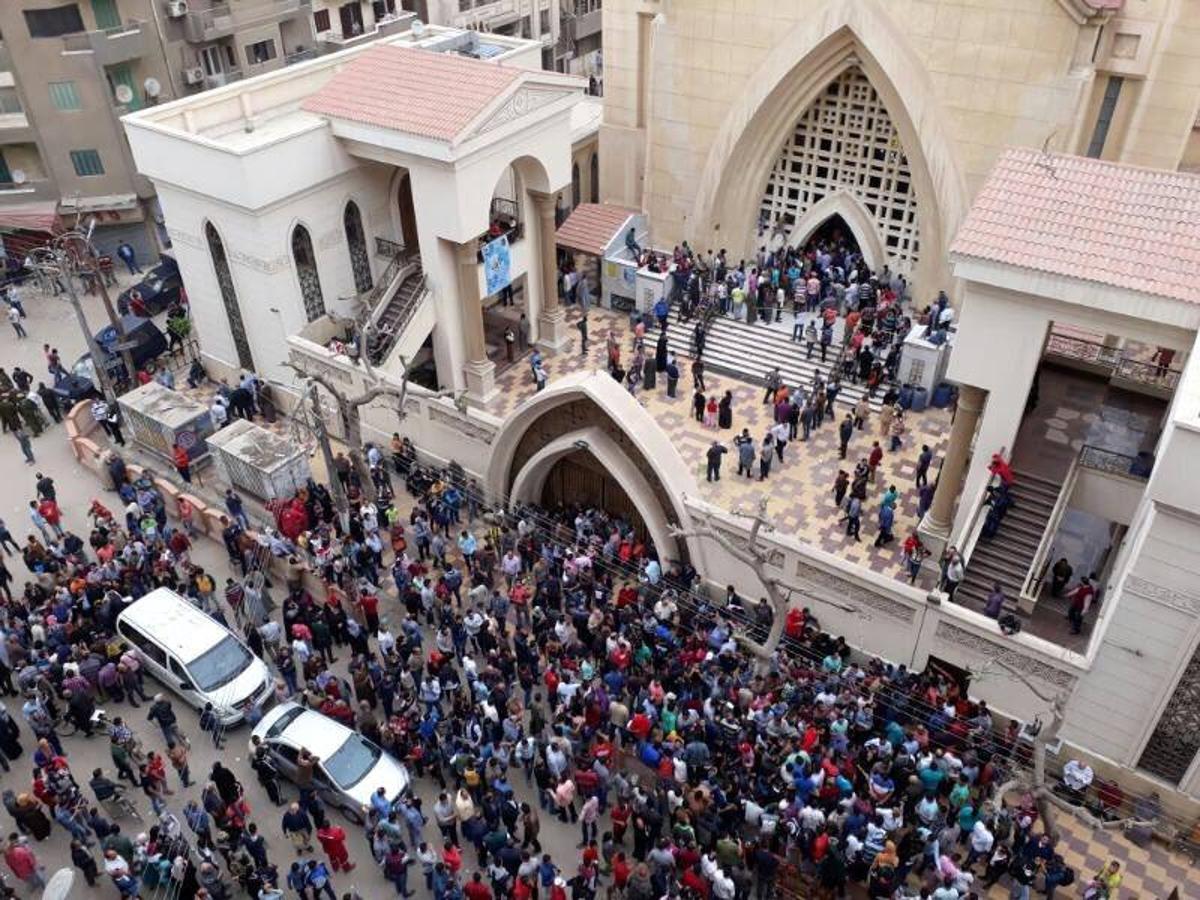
x: 845, y: 208
x: 790, y: 79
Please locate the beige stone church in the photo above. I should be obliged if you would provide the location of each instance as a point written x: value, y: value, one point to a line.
x: 720, y: 115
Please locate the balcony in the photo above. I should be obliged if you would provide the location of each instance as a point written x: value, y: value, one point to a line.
x: 223, y: 19
x: 111, y: 46
x: 220, y: 79
x: 505, y: 214
x: 400, y: 22
x: 14, y: 128
x: 299, y: 56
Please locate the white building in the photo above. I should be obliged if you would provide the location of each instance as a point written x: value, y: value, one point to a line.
x: 362, y: 183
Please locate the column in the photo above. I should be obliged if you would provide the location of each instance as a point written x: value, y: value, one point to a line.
x: 479, y: 371
x: 552, y: 324
x: 936, y: 524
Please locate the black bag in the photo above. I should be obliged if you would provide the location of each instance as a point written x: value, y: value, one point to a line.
x: 1068, y: 876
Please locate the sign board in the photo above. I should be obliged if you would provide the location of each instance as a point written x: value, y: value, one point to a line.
x: 497, y: 265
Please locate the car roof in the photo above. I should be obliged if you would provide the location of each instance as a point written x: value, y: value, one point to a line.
x: 318, y: 734
x: 177, y: 625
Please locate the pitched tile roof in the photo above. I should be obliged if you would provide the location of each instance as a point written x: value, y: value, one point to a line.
x: 434, y: 95
x: 1088, y: 219
x: 591, y: 227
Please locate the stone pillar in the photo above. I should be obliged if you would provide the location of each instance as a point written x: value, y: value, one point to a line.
x: 479, y: 371
x: 935, y: 528
x: 552, y: 325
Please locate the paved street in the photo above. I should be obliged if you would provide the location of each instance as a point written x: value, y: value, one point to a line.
x: 53, y: 321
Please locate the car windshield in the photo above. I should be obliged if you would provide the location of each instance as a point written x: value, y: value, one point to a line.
x: 351, y: 762
x: 85, y: 368
x: 280, y: 725
x: 220, y: 665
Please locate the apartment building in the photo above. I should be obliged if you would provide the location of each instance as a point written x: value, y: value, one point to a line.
x: 69, y: 71
x: 537, y: 20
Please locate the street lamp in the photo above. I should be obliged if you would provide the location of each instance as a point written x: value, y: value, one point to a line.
x: 53, y: 262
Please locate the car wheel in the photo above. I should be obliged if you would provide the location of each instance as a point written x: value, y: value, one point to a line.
x: 353, y: 816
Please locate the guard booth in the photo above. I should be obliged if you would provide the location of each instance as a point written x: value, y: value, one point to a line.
x: 594, y: 234
x: 259, y: 461
x: 159, y: 417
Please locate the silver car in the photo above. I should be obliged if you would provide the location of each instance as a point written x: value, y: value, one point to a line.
x: 350, y: 768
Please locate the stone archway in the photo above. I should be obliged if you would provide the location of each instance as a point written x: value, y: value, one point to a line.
x: 857, y: 219
x: 589, y: 408
x: 846, y: 33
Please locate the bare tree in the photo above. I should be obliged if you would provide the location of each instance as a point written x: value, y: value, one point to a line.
x: 748, y: 551
x: 350, y: 408
x: 1033, y: 782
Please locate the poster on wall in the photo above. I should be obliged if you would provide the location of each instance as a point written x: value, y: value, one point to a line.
x: 497, y: 265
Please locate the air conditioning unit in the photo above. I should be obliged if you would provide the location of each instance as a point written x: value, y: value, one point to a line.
x: 194, y: 75
x: 177, y: 9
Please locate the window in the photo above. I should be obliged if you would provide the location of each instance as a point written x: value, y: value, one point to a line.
x: 9, y: 101
x: 352, y: 20
x: 136, y: 639
x: 576, y: 190
x: 1108, y: 106
x: 383, y: 8
x: 233, y: 312
x: 321, y: 20
x: 6, y: 175
x: 594, y: 186
x: 260, y: 52
x: 54, y: 22
x: 356, y: 240
x: 221, y: 664
x: 121, y: 76
x: 464, y: 5
x: 217, y: 59
x: 64, y: 96
x: 179, y: 672
x: 87, y: 162
x: 544, y: 22
x: 306, y: 271
x: 106, y: 14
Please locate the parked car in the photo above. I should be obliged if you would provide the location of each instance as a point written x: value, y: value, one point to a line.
x: 160, y: 287
x: 81, y: 383
x: 195, y: 656
x: 350, y: 768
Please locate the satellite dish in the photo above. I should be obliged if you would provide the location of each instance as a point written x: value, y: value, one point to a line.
x: 418, y: 27
x: 153, y: 88
x: 123, y: 93
x: 18, y: 176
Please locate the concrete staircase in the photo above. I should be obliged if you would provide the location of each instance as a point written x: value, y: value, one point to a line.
x: 1007, y: 556
x: 748, y: 352
x: 399, y: 309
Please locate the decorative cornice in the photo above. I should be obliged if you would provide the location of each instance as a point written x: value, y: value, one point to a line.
x: 998, y: 652
x: 1157, y: 593
x: 821, y: 584
x: 522, y: 102
x: 460, y: 424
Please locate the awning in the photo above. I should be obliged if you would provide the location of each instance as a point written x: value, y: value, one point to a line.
x: 29, y: 216
x: 591, y: 227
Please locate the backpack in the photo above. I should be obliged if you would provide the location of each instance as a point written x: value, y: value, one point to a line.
x: 1068, y: 877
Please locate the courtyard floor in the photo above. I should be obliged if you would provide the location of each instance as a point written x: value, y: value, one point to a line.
x: 801, y: 490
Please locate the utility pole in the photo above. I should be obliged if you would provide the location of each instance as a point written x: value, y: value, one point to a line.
x: 54, y: 263
x: 86, y: 254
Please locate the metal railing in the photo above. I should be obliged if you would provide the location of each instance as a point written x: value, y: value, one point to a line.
x: 1114, y: 463
x: 298, y: 56
x: 85, y: 41
x: 383, y: 341
x: 1113, y: 359
x: 387, y: 278
x: 506, y: 213
x: 388, y: 248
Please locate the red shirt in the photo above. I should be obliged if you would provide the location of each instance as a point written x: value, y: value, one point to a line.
x: 49, y: 511
x: 453, y: 859
x: 639, y: 726
x: 477, y: 890
x: 693, y: 880
x: 620, y: 872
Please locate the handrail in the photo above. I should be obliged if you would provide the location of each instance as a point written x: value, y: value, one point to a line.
x: 1111, y: 358
x: 388, y: 340
x: 1031, y: 586
x: 367, y: 314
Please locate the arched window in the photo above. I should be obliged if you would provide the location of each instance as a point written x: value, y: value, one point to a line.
x: 595, y: 177
x: 233, y: 312
x: 576, y: 193
x: 356, y: 240
x: 306, y: 271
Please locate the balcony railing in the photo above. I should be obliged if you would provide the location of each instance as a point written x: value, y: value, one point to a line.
x: 1112, y: 359
x: 388, y: 249
x: 111, y: 46
x: 223, y: 19
x: 505, y: 214
x: 299, y: 56
x: 1114, y: 463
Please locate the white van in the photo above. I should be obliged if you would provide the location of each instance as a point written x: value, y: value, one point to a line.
x: 194, y: 655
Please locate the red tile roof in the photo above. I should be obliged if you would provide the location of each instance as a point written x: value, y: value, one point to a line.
x: 1088, y: 219
x: 434, y: 95
x: 591, y: 227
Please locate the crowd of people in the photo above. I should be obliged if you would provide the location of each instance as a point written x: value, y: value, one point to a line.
x: 532, y: 663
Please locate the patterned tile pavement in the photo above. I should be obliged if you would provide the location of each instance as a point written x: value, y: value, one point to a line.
x: 801, y: 490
